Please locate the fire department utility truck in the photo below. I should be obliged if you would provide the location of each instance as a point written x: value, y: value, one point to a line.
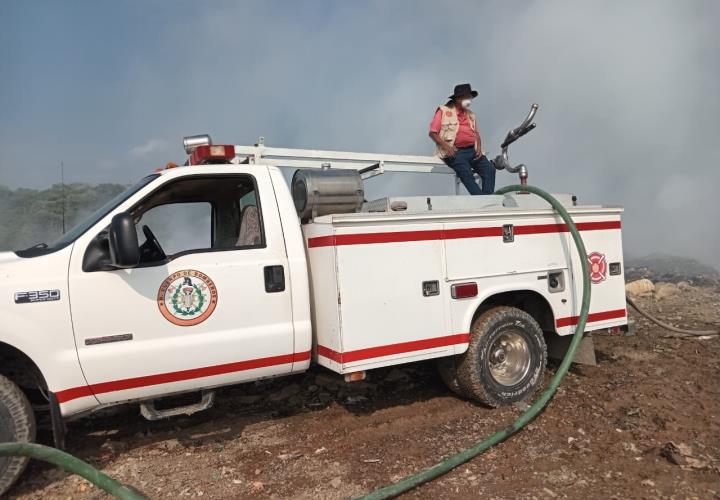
x: 217, y: 272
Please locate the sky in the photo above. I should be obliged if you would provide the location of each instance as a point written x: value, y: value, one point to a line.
x: 628, y: 92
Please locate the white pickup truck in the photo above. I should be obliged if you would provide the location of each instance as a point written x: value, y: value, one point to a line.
x: 214, y: 273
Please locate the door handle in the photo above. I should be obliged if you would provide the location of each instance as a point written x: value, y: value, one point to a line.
x: 274, y: 279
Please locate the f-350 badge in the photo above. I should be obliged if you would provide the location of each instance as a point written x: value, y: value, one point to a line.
x: 187, y: 297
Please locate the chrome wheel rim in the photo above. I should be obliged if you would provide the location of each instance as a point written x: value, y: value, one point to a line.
x: 509, y: 358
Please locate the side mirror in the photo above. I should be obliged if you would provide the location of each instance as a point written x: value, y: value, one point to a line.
x: 123, y: 240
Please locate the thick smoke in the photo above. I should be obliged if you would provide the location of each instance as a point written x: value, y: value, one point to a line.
x: 627, y: 94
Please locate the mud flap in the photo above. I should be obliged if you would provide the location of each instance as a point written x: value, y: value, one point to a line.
x: 58, y: 424
x: 558, y: 345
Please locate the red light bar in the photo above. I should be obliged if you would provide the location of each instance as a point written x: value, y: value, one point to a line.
x: 209, y: 154
x: 464, y: 290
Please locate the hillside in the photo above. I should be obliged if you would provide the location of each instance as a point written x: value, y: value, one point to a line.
x: 30, y: 216
x: 658, y: 267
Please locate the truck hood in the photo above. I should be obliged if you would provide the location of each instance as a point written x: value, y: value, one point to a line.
x: 8, y: 258
x: 8, y: 263
x: 17, y: 270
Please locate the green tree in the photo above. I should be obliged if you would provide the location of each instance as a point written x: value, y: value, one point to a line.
x: 31, y: 216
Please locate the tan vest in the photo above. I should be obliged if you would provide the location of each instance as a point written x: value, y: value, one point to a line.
x: 449, y: 125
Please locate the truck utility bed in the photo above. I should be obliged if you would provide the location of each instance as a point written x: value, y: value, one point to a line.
x: 384, y: 270
x: 451, y: 204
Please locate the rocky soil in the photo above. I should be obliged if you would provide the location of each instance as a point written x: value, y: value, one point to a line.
x: 643, y: 423
x: 672, y: 269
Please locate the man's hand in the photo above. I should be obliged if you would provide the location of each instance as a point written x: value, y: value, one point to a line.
x: 479, y: 150
x: 447, y: 149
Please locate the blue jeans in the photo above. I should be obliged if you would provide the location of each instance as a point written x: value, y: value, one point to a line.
x: 464, y: 162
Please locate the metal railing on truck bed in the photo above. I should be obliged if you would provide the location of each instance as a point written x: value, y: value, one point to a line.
x: 316, y: 158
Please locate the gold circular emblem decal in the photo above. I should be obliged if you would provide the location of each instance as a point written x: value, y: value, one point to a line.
x: 187, y: 297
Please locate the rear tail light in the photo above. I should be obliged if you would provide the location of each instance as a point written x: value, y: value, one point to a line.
x: 209, y: 154
x: 464, y: 290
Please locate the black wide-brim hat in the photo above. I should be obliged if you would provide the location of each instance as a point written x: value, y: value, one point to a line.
x: 463, y: 89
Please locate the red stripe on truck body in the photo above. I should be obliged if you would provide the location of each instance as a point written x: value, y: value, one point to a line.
x: 451, y: 234
x: 391, y: 349
x: 178, y: 376
x: 592, y: 317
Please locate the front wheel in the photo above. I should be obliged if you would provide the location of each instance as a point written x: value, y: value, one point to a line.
x: 17, y: 425
x: 506, y: 357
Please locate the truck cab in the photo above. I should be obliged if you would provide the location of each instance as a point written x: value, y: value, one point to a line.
x: 216, y: 294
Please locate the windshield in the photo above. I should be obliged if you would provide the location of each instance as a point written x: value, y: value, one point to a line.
x: 86, y: 224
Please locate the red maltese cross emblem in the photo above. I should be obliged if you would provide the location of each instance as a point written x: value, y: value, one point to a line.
x: 598, y: 267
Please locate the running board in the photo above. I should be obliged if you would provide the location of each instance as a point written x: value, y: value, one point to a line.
x: 148, y: 410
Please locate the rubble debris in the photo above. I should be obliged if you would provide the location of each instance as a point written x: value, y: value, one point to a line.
x: 672, y: 269
x: 682, y: 455
x: 284, y: 393
x: 639, y: 288
x: 665, y: 290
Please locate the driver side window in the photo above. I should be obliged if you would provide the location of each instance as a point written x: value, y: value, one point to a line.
x: 178, y: 227
x: 199, y: 214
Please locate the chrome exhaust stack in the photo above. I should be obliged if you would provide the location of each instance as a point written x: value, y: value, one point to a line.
x: 501, y: 161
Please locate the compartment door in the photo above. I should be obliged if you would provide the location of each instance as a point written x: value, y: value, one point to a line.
x: 386, y: 317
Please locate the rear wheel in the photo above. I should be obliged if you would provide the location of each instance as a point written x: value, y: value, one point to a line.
x: 505, y: 360
x: 17, y: 424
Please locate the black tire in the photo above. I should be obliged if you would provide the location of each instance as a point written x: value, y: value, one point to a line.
x: 447, y: 367
x: 505, y: 360
x: 17, y: 424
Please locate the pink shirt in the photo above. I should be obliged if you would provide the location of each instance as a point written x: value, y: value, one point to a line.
x: 465, y: 136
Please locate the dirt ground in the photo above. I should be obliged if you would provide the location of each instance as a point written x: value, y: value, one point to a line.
x: 644, y: 423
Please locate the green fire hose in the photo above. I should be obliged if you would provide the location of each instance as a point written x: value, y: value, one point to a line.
x: 449, y: 464
x: 71, y: 464
x: 81, y: 468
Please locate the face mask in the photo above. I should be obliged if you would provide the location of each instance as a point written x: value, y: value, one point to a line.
x: 465, y: 103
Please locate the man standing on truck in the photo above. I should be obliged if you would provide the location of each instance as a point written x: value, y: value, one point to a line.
x: 454, y: 131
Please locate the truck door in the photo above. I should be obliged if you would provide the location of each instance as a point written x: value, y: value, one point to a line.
x: 207, y: 304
